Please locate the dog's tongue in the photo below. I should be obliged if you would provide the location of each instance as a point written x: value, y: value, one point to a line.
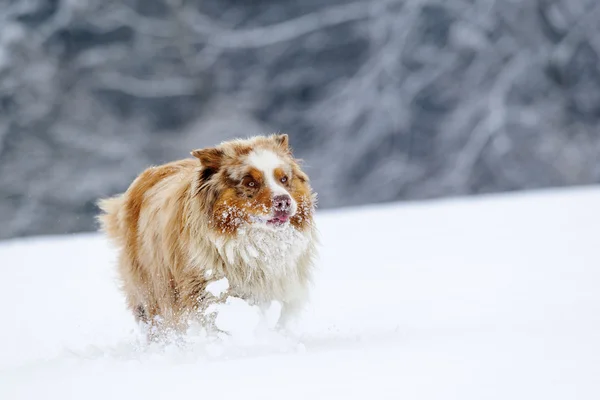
x: 279, y: 219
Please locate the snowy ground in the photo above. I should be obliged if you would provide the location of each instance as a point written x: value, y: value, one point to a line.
x: 495, y: 298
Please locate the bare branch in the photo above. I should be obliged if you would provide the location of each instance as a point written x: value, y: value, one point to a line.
x: 281, y: 32
x: 166, y: 87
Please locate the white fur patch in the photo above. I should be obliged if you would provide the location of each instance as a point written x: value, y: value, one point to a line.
x: 266, y: 260
x: 266, y: 162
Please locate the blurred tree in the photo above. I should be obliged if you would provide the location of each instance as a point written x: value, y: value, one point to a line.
x: 384, y: 99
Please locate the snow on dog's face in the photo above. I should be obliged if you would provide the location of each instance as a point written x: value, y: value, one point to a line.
x: 254, y: 181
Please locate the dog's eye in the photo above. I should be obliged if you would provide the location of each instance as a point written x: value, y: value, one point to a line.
x: 250, y: 182
x: 284, y: 179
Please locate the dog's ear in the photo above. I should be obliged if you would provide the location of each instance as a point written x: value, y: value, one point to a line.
x: 282, y: 140
x: 210, y: 158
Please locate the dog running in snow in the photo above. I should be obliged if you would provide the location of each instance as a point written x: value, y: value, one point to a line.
x: 242, y: 210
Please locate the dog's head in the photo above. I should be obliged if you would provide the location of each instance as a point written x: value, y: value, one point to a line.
x: 253, y: 181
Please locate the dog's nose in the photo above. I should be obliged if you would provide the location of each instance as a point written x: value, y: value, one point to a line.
x: 282, y: 202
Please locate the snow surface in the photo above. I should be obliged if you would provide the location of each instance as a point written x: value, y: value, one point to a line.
x: 491, y: 298
x: 218, y: 287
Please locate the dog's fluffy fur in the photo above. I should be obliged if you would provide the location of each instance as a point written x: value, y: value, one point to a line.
x: 182, y: 225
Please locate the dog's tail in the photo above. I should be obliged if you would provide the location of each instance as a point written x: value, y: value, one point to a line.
x: 110, y: 217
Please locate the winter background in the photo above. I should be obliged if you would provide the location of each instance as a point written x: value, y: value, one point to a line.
x: 454, y: 145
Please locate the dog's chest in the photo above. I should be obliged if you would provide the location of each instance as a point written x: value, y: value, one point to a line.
x: 264, y: 261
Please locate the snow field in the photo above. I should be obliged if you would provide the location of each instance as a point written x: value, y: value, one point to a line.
x: 493, y: 298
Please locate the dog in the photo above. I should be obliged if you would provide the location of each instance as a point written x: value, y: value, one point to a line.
x: 242, y: 210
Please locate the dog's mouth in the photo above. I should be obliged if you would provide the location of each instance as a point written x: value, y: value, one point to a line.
x: 276, y: 220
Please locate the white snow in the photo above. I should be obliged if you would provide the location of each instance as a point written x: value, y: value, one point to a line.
x: 238, y: 318
x: 218, y: 287
x: 492, y: 298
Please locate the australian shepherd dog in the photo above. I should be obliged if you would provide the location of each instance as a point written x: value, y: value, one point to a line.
x: 242, y: 210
